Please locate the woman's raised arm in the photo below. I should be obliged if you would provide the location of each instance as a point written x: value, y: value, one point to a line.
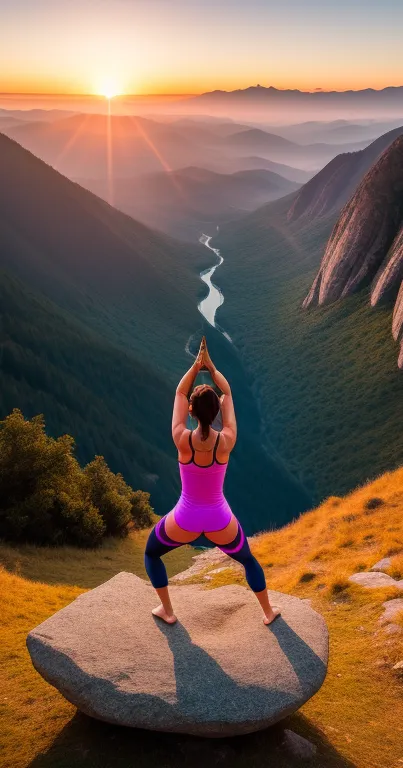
x: 229, y: 427
x: 181, y: 403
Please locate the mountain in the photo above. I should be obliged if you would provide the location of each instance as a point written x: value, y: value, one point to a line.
x: 97, y: 313
x: 326, y: 382
x: 35, y: 115
x: 330, y: 189
x: 234, y: 163
x: 7, y: 122
x: 98, y: 147
x: 87, y: 295
x: 366, y: 244
x: 94, y: 145
x: 278, y: 148
x: 260, y: 102
x: 334, y: 131
x: 193, y: 200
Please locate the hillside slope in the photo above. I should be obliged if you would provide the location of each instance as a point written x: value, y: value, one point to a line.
x: 330, y: 189
x: 87, y: 296
x: 329, y: 395
x: 354, y: 720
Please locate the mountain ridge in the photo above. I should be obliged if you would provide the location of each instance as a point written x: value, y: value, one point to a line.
x: 331, y: 187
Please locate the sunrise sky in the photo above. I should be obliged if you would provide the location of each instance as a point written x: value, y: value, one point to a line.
x: 191, y: 46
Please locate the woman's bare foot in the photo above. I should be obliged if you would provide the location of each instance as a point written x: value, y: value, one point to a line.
x: 270, y: 616
x: 161, y: 613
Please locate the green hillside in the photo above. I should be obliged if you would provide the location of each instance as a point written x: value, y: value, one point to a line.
x: 326, y: 379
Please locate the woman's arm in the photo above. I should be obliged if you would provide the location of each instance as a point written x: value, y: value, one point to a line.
x: 181, y: 403
x: 229, y: 429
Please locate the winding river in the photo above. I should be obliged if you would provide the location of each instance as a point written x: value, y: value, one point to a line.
x: 209, y: 305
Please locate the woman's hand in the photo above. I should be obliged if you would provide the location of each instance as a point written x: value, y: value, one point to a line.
x: 199, y: 362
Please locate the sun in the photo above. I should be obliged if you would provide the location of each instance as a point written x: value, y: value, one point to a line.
x: 109, y: 88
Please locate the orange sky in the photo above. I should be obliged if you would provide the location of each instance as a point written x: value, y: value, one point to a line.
x: 190, y: 46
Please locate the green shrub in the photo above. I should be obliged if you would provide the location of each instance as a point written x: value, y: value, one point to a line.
x: 47, y: 498
x: 141, y: 510
x: 110, y: 495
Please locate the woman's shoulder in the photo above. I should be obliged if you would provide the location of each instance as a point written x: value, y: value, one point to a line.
x: 182, y: 439
x: 225, y: 444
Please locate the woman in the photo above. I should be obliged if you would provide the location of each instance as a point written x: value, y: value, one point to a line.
x: 203, y: 456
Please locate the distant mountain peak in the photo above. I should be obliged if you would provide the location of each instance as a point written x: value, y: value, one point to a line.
x: 271, y: 89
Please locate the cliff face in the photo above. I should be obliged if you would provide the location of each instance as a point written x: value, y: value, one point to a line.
x: 330, y: 189
x: 367, y: 242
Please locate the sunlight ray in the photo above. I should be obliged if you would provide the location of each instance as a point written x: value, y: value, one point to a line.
x: 71, y: 141
x: 167, y: 168
x: 109, y: 155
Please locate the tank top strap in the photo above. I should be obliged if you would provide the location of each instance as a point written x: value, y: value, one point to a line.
x: 215, y: 447
x: 191, y: 445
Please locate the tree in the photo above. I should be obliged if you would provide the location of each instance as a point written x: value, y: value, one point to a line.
x: 110, y: 495
x: 141, y: 510
x: 47, y: 498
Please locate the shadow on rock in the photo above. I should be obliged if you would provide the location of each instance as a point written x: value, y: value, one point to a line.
x: 202, y: 684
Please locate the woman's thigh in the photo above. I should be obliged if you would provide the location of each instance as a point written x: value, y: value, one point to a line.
x: 225, y: 535
x: 175, y: 532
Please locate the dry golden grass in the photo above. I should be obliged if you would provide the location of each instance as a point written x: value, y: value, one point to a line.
x: 87, y: 567
x: 396, y: 568
x: 360, y: 706
x: 356, y: 718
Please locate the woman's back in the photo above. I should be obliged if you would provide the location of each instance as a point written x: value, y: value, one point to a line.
x: 202, y: 504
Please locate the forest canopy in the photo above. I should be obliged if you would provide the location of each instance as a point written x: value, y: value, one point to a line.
x: 46, y: 497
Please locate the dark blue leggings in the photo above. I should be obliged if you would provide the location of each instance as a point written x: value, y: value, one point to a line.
x: 159, y: 544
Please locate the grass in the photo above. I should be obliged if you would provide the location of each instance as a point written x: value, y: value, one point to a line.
x: 355, y: 719
x: 90, y: 567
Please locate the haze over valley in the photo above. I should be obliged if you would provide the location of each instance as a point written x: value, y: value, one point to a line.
x: 269, y: 195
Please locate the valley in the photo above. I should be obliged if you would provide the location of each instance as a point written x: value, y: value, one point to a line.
x: 297, y: 419
x: 85, y: 339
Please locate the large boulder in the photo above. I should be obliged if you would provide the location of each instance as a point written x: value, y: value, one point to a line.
x: 218, y: 671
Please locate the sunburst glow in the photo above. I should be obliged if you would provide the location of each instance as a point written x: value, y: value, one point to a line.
x: 109, y: 88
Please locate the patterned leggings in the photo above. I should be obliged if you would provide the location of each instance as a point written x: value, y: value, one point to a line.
x: 159, y: 544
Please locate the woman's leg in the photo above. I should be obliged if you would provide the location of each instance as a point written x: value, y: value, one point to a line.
x: 238, y: 549
x: 158, y: 544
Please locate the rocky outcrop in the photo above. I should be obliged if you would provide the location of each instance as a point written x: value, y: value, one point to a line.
x: 382, y: 565
x: 390, y: 275
x: 332, y: 187
x: 218, y: 671
x: 392, y: 608
x: 367, y: 242
x: 374, y: 580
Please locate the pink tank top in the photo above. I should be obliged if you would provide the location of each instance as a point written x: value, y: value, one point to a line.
x: 202, y: 505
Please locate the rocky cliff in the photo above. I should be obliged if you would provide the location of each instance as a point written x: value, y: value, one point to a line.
x: 367, y: 242
x: 332, y: 187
